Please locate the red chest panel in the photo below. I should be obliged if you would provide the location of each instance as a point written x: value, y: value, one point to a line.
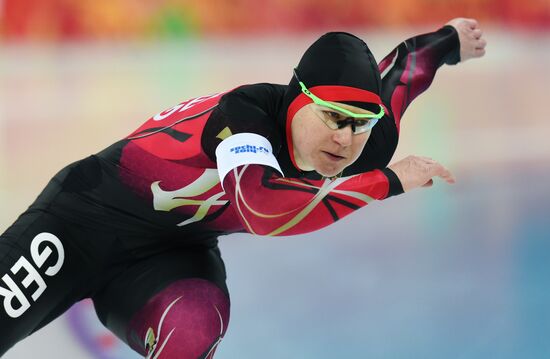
x: 175, y: 134
x: 165, y: 165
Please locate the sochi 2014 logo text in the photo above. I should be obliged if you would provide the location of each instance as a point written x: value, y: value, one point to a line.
x: 249, y: 149
x: 15, y: 301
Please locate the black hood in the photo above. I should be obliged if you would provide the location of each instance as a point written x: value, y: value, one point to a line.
x: 335, y: 59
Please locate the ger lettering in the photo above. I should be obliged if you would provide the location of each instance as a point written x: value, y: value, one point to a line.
x: 15, y: 301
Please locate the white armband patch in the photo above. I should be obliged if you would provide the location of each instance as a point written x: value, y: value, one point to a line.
x: 244, y: 149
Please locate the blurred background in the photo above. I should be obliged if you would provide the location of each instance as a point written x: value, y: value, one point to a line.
x: 457, y: 271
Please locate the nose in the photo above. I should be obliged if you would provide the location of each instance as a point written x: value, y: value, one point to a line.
x: 343, y: 136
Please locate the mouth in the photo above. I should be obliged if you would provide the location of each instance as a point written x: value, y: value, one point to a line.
x: 333, y: 157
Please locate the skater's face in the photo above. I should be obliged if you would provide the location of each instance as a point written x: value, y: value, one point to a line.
x: 323, y: 149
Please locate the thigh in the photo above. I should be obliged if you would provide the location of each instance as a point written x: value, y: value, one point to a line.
x: 175, y: 303
x: 42, y: 271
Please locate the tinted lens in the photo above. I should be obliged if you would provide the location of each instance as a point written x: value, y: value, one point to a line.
x: 362, y: 126
x: 337, y: 120
x: 329, y: 116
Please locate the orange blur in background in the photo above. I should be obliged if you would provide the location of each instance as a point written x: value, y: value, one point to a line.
x: 58, y: 20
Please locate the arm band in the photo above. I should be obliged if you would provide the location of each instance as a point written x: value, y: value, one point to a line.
x: 244, y: 149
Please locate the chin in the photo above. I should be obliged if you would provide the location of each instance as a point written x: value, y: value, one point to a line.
x: 329, y: 168
x: 329, y: 172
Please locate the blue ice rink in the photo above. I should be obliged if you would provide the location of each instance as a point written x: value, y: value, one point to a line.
x: 457, y: 272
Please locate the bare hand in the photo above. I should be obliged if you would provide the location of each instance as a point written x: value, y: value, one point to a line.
x: 417, y: 171
x: 472, y: 45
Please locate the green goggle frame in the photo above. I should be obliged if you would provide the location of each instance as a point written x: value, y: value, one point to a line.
x: 318, y: 101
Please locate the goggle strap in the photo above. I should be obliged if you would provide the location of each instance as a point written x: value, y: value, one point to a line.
x: 318, y: 101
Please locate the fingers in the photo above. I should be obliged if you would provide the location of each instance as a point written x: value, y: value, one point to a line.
x: 479, y: 49
x: 472, y: 23
x: 476, y: 33
x: 472, y: 43
x: 481, y: 44
x: 420, y: 171
x: 477, y: 43
x: 438, y: 170
x: 447, y: 176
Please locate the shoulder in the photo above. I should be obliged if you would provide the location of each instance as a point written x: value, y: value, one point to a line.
x: 264, y: 97
x: 246, y: 109
x: 252, y: 108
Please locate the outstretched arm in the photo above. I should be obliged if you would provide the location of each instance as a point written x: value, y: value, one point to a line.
x: 269, y: 204
x: 410, y: 68
x: 408, y: 71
